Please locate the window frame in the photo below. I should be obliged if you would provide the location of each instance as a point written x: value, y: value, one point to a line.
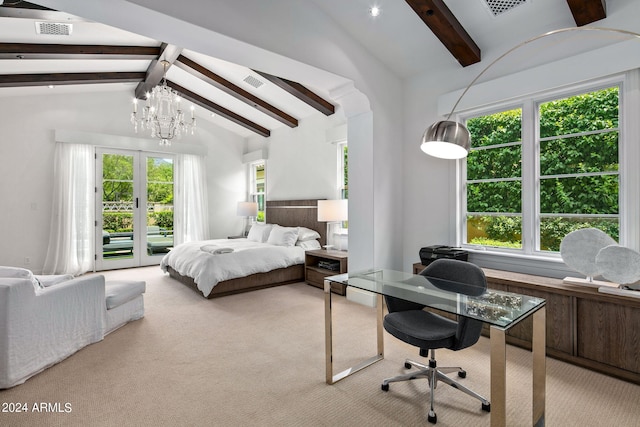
x: 254, y: 194
x: 531, y: 216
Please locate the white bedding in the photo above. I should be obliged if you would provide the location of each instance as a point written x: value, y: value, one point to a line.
x: 248, y: 257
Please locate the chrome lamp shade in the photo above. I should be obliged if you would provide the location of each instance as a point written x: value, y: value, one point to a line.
x: 446, y: 140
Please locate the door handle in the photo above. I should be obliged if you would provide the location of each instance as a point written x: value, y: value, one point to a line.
x: 137, y: 203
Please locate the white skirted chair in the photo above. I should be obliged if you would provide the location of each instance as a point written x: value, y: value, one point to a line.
x: 45, y: 319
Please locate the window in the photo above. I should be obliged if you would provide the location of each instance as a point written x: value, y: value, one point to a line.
x: 343, y: 170
x: 541, y: 169
x: 258, y: 188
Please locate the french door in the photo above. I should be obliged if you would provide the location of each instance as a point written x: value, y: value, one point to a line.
x: 134, y: 208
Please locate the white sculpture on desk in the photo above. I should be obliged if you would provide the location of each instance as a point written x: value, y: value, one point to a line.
x: 619, y: 264
x: 579, y: 250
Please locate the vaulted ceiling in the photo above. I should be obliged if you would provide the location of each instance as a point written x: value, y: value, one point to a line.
x: 34, y: 54
x: 408, y: 37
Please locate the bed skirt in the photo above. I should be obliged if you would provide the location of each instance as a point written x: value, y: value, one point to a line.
x: 280, y: 276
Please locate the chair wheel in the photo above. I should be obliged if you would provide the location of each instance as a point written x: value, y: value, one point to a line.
x: 462, y: 374
x: 432, y: 418
x: 385, y: 387
x: 407, y: 365
x: 487, y: 407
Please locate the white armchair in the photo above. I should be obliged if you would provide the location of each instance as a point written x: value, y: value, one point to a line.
x: 41, y: 327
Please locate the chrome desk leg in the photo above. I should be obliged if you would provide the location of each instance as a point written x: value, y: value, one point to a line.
x: 498, y: 377
x: 539, y: 367
x: 499, y: 372
x: 328, y: 337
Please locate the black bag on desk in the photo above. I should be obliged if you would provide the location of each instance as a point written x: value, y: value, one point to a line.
x: 429, y: 254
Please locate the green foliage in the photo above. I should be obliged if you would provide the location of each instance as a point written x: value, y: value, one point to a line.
x: 495, y: 243
x: 561, y: 153
x: 117, y: 174
x: 159, y: 181
x: 504, y: 231
x: 117, y: 221
x: 163, y: 219
x: 553, y: 230
x: 498, y: 128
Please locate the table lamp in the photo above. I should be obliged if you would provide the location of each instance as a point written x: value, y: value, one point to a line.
x: 247, y: 210
x: 331, y: 212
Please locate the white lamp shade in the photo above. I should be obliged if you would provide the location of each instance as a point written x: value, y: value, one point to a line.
x: 333, y: 210
x: 247, y: 209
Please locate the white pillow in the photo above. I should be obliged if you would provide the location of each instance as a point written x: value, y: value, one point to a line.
x: 308, y: 245
x: 259, y: 232
x: 283, y: 236
x: 21, y: 273
x: 305, y: 234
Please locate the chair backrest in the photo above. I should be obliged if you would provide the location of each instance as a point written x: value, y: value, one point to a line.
x: 473, y: 282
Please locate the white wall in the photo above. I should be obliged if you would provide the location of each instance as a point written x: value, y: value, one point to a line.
x: 26, y: 174
x: 301, y: 163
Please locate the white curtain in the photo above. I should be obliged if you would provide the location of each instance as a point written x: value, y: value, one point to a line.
x: 191, y: 211
x: 71, y: 241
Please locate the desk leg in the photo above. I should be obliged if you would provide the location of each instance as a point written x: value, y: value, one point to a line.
x: 498, y: 377
x: 499, y: 372
x: 539, y: 366
x: 328, y: 333
x: 328, y: 339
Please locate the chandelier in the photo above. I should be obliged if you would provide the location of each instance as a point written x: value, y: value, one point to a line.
x: 162, y: 113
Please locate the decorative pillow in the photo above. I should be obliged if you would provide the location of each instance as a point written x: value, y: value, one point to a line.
x: 305, y: 234
x: 308, y: 245
x: 20, y: 273
x: 259, y: 232
x: 283, y: 236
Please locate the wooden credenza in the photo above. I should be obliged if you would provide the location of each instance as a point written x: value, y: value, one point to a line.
x: 584, y: 327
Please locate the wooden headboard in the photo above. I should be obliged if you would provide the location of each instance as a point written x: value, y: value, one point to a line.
x: 296, y: 213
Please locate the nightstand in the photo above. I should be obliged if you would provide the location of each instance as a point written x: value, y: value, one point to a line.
x: 315, y: 272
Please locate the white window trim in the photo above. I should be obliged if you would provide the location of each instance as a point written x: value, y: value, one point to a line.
x: 340, y: 179
x: 253, y: 194
x: 529, y: 259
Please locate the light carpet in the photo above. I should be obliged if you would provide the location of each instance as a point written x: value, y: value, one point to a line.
x: 257, y: 359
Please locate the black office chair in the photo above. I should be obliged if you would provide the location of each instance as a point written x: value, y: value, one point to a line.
x: 408, y: 322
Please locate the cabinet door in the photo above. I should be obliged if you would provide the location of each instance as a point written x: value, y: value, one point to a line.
x: 559, y: 332
x: 609, y: 333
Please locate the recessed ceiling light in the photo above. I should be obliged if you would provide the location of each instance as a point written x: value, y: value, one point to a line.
x: 51, y: 86
x: 374, y: 11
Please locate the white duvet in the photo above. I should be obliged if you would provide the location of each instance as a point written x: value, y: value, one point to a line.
x: 207, y: 268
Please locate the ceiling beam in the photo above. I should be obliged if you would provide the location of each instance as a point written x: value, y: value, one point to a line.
x: 156, y: 71
x: 75, y: 51
x: 16, y: 80
x: 237, y: 92
x: 302, y: 93
x: 587, y: 11
x: 218, y: 109
x: 446, y: 27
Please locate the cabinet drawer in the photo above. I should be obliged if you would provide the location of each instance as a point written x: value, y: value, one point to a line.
x: 316, y: 278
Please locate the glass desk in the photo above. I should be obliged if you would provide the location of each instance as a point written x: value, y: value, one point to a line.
x: 500, y: 310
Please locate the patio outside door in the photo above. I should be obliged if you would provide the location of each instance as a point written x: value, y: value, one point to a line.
x: 134, y: 208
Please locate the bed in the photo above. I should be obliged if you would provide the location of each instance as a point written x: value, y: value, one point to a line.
x: 198, y: 264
